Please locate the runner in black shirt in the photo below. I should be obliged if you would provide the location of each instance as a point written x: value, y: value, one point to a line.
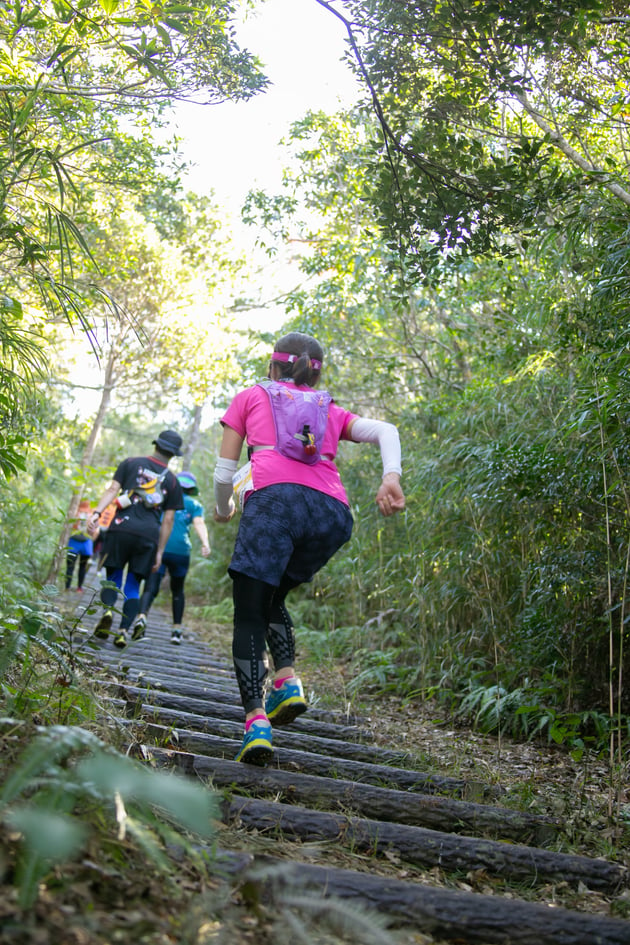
x: 147, y: 496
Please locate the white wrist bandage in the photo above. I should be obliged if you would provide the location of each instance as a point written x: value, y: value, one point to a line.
x: 223, y: 472
x: 365, y: 430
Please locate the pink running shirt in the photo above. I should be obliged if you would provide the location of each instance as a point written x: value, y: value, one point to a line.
x: 250, y: 416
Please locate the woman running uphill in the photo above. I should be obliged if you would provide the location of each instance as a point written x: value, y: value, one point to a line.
x: 295, y: 517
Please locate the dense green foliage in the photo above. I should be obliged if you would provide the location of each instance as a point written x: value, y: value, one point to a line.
x: 82, y: 86
x: 492, y: 115
x: 63, y: 785
x: 98, y: 251
x: 469, y: 257
x: 465, y: 235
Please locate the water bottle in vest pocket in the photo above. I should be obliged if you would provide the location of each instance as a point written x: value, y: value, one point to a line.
x: 300, y: 418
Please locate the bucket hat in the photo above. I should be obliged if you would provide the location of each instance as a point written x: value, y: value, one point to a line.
x: 188, y: 482
x: 169, y: 442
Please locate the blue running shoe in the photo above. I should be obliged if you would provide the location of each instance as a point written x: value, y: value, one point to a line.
x: 256, y: 748
x: 285, y: 704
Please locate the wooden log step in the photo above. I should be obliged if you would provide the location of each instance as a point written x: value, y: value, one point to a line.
x: 161, y: 647
x: 427, y: 848
x: 379, y: 803
x: 136, y: 656
x: 187, y: 685
x: 155, y: 638
x: 283, y: 738
x: 307, y: 762
x: 205, y: 690
x: 145, y: 658
x: 458, y: 916
x: 127, y: 660
x: 171, y: 680
x: 127, y: 668
x: 183, y: 687
x: 224, y: 689
x: 220, y: 710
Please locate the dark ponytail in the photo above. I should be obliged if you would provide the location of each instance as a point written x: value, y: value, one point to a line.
x: 307, y: 350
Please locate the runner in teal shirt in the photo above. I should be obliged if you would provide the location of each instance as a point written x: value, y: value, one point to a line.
x: 176, y: 559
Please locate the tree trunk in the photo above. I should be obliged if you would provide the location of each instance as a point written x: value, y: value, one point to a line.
x: 193, y: 437
x: 86, y: 460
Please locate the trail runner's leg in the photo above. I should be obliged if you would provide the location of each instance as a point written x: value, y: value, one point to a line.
x: 252, y: 605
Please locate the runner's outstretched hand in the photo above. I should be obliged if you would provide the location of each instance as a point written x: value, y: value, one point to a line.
x: 224, y: 518
x: 390, y: 498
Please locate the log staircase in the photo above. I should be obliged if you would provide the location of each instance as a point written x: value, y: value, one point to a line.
x: 331, y: 786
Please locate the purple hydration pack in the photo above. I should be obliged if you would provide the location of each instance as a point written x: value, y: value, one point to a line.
x: 300, y: 418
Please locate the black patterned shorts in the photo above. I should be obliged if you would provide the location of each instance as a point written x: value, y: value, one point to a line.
x: 289, y: 529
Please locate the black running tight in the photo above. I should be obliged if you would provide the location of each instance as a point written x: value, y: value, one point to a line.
x: 151, y: 589
x: 71, y: 559
x: 260, y: 619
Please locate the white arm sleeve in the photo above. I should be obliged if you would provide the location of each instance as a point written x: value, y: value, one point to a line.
x: 365, y: 430
x: 223, y: 472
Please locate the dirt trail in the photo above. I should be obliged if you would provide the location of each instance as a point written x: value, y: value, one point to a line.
x: 332, y: 787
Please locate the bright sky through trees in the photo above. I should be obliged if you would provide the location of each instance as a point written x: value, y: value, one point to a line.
x: 235, y: 145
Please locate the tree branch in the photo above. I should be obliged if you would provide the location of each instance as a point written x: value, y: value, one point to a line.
x: 563, y: 145
x: 388, y: 133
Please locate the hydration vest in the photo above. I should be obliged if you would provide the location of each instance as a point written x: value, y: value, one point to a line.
x: 300, y: 418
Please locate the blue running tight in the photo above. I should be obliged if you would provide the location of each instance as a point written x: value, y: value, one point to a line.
x: 131, y: 594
